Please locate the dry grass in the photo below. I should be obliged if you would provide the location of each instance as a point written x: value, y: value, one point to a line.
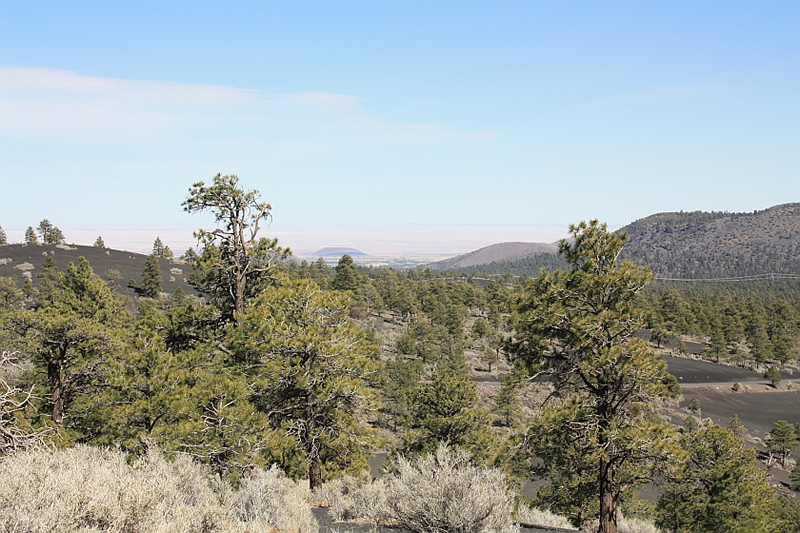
x: 539, y: 517
x: 631, y: 525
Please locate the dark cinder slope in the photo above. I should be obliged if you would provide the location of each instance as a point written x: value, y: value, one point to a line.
x: 15, y: 259
x: 700, y: 244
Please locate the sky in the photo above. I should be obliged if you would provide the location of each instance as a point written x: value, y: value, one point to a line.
x: 394, y: 127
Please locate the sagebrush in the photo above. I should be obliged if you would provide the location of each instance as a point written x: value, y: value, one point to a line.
x: 86, y: 489
x: 444, y: 492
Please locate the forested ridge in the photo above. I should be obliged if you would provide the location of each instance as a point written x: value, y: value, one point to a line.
x: 314, y: 369
x: 714, y: 245
x: 689, y: 245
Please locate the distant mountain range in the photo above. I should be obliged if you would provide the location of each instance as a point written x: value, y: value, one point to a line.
x: 674, y: 245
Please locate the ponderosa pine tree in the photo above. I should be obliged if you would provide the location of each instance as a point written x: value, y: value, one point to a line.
x: 50, y: 234
x: 99, y: 243
x: 311, y: 370
x: 30, y: 236
x: 399, y: 387
x: 773, y: 375
x: 184, y: 401
x: 162, y: 251
x: 3, y: 237
x: 235, y: 261
x: 782, y: 440
x: 152, y: 281
x: 68, y: 335
x: 347, y: 277
x: 579, y: 328
x: 508, y: 406
x: 718, y: 487
x: 445, y: 411
x: 9, y: 294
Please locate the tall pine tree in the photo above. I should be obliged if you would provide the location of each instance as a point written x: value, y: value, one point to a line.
x: 152, y: 282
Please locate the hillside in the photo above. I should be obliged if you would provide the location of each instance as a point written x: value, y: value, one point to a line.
x: 496, y: 253
x: 338, y: 251
x: 16, y: 260
x: 699, y: 244
x: 675, y: 245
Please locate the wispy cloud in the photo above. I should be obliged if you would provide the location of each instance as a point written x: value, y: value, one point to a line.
x: 56, y: 104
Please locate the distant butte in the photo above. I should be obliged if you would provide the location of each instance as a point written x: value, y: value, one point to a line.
x: 338, y: 251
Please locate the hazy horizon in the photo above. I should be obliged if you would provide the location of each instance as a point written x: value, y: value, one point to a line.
x: 390, y: 241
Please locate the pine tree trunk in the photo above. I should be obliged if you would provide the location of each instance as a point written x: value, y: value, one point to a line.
x: 239, y: 297
x: 314, y: 473
x: 608, y: 498
x: 54, y: 379
x: 312, y: 446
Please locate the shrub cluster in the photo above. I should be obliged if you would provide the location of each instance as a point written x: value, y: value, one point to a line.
x: 444, y: 492
x: 86, y: 489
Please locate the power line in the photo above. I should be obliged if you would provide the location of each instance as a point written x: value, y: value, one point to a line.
x: 771, y: 276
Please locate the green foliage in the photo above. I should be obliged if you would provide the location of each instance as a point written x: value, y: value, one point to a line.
x: 347, y: 277
x: 50, y: 234
x: 426, y: 341
x: 794, y: 479
x: 718, y: 487
x: 481, y: 328
x: 3, y: 237
x: 30, y: 236
x: 27, y: 287
x: 99, y: 243
x: 508, y: 407
x: 773, y: 375
x: 68, y: 336
x: 526, y: 268
x: 16, y: 434
x: 9, y: 294
x: 788, y: 513
x: 161, y: 251
x: 782, y: 440
x: 152, y: 281
x: 695, y: 245
x: 764, y: 317
x: 319, y: 272
x: 235, y: 263
x: 579, y: 328
x: 311, y: 372
x: 399, y: 388
x: 694, y: 405
x: 446, y: 412
x: 737, y: 428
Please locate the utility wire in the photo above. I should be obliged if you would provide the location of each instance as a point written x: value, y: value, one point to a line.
x: 771, y: 276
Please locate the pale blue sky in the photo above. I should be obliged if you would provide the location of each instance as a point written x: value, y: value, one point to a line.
x: 376, y: 113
